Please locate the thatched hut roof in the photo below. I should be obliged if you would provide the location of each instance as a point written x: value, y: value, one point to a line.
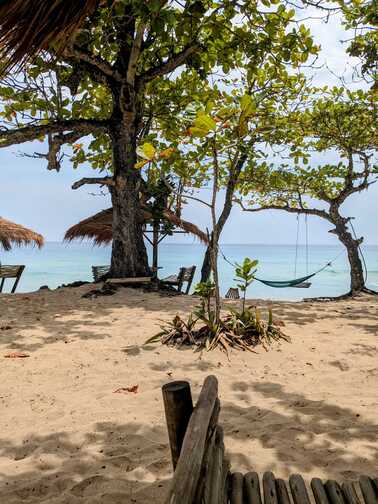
x: 98, y: 227
x: 14, y: 234
x: 29, y: 26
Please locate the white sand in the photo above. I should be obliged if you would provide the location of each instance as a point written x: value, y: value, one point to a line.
x: 309, y: 406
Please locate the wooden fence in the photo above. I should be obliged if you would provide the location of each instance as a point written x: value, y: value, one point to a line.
x: 202, y: 472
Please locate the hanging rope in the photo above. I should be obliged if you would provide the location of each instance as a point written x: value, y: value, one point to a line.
x: 361, y: 253
x: 306, y: 222
x: 296, y: 248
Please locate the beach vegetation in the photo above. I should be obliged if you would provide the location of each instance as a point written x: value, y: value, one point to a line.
x: 341, y: 123
x: 205, y: 329
x: 121, y: 81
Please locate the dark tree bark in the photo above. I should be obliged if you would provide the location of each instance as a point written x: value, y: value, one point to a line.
x: 357, y: 278
x: 129, y: 255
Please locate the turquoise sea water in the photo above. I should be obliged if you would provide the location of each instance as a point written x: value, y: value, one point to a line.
x: 59, y: 263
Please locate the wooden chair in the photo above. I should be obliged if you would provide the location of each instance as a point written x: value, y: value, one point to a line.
x: 99, y: 271
x: 185, y: 275
x: 10, y: 272
x: 202, y: 472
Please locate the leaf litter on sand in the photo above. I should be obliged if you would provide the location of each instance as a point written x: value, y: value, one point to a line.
x: 16, y: 355
x: 124, y: 390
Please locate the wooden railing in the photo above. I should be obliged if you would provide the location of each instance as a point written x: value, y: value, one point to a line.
x: 202, y: 472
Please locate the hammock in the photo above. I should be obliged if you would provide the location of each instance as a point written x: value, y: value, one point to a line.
x: 287, y: 283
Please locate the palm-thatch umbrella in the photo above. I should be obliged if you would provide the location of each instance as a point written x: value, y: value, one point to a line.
x: 30, y: 26
x: 98, y: 228
x: 14, y: 234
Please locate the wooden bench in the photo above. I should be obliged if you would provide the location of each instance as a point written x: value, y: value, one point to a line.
x: 202, y: 472
x: 184, y: 275
x: 10, y: 272
x: 131, y: 280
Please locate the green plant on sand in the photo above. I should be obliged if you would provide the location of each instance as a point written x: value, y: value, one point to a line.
x: 243, y: 330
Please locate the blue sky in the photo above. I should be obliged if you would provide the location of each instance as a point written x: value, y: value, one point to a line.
x: 44, y: 201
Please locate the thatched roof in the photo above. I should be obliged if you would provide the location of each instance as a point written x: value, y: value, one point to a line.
x: 29, y: 26
x: 14, y: 234
x: 98, y: 227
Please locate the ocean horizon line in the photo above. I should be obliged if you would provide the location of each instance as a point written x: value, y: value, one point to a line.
x: 89, y: 242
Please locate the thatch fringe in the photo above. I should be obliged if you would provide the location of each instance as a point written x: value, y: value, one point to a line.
x: 14, y: 234
x: 98, y: 227
x: 28, y: 26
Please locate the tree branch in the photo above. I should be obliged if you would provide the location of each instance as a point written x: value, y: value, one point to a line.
x: 308, y: 211
x: 55, y: 143
x: 93, y: 180
x: 134, y: 54
x: 34, y: 132
x: 97, y: 63
x: 170, y: 65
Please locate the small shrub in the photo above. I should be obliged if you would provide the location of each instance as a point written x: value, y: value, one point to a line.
x: 242, y: 329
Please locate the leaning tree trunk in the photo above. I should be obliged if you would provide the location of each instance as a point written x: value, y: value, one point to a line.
x: 129, y: 255
x: 357, y: 278
x: 227, y: 207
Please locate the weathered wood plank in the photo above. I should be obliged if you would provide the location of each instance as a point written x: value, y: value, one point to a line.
x: 334, y: 492
x: 218, y: 476
x: 269, y: 486
x: 224, y: 466
x: 208, y: 452
x: 205, y: 489
x: 350, y: 494
x: 368, y: 491
x: 129, y: 280
x: 319, y: 491
x: 186, y: 477
x: 298, y: 489
x: 282, y: 492
x: 237, y: 486
x: 178, y: 407
x: 217, y: 471
x: 252, y: 488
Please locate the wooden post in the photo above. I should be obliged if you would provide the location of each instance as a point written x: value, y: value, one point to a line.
x: 178, y: 407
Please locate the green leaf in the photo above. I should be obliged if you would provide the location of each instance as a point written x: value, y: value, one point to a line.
x: 146, y: 151
x: 205, y: 122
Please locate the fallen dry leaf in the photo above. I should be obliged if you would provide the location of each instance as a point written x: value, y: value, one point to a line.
x: 16, y: 355
x: 279, y: 323
x: 123, y: 390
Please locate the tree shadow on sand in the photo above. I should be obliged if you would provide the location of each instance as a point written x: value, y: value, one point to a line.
x: 73, y: 318
x: 304, y: 435
x: 114, y: 464
x: 351, y: 311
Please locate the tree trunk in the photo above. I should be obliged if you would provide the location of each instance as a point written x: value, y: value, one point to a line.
x: 357, y: 280
x: 129, y: 255
x: 227, y: 207
x: 206, y: 265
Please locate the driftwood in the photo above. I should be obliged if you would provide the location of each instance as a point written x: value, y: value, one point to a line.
x: 202, y: 472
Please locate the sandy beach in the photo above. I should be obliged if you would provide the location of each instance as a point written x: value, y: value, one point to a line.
x: 69, y: 435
